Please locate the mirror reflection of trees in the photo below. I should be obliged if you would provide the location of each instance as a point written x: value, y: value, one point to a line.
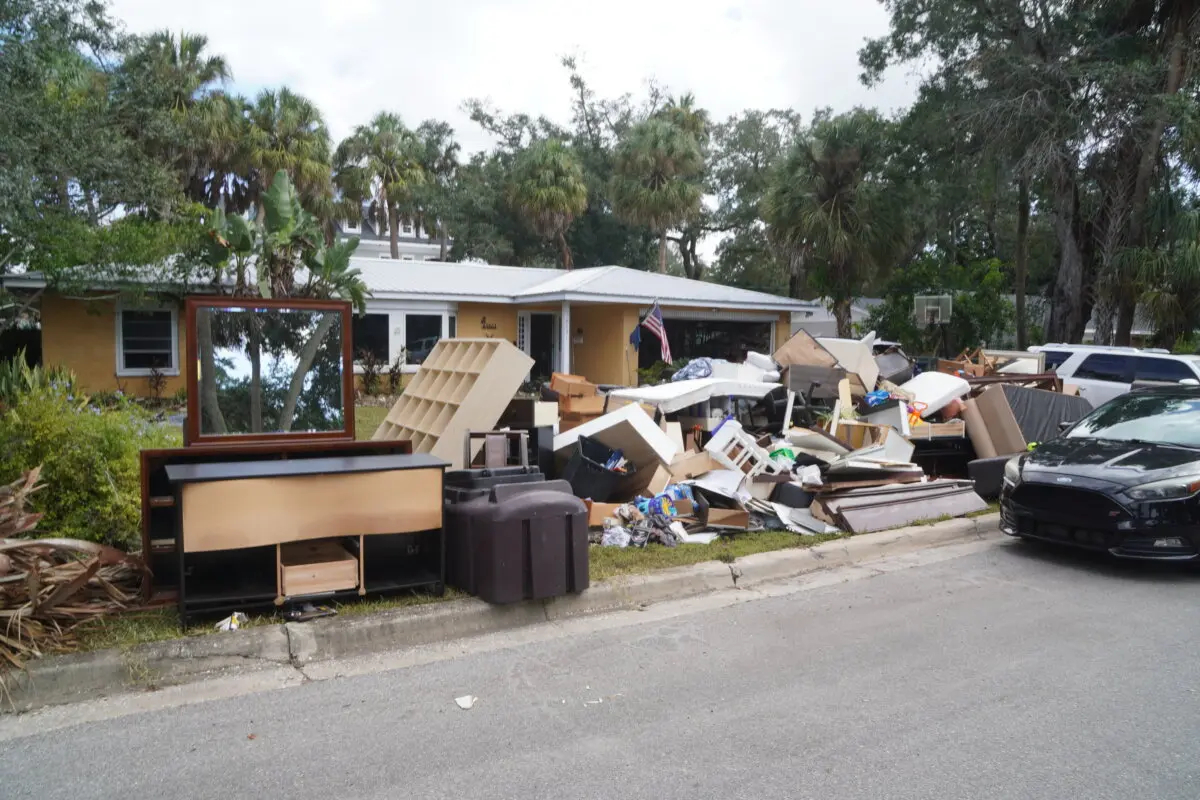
x: 269, y: 370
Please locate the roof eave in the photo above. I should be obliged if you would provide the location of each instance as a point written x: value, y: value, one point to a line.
x: 732, y: 305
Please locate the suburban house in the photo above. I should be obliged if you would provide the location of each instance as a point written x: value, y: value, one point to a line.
x: 578, y: 321
x: 414, y: 243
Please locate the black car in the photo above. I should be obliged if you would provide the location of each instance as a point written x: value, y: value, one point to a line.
x: 1125, y: 479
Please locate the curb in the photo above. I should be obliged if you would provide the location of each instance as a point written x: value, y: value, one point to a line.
x: 80, y: 676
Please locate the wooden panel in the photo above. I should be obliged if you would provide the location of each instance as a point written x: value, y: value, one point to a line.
x: 227, y: 515
x: 316, y: 567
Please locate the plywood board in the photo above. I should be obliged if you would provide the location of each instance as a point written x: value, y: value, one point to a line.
x: 228, y: 515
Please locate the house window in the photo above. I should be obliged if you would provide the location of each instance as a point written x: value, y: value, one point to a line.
x: 352, y: 226
x: 421, y: 333
x: 453, y: 327
x: 147, y: 341
x: 369, y: 334
x: 406, y: 229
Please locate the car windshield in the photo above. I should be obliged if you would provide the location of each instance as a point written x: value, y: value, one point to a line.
x: 1160, y: 418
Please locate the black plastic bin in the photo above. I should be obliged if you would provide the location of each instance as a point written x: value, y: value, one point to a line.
x: 586, y: 473
x: 467, y: 484
x: 520, y: 541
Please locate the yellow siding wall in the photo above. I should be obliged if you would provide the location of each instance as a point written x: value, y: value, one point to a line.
x: 783, y: 330
x: 472, y: 325
x: 605, y: 355
x: 82, y: 335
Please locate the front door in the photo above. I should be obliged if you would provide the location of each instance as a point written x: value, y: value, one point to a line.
x: 543, y: 344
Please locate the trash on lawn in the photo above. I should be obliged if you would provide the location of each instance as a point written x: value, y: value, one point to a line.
x: 231, y: 623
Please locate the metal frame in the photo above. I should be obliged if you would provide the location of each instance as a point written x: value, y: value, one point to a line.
x: 192, y: 424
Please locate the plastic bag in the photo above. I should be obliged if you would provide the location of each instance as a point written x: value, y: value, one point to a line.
x: 696, y: 368
x: 615, y: 537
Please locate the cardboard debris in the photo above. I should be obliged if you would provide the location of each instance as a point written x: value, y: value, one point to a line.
x: 566, y: 385
x: 803, y: 350
x: 728, y: 518
x: 691, y: 465
x: 864, y: 511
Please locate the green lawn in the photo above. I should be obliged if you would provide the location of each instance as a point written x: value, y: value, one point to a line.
x: 367, y: 419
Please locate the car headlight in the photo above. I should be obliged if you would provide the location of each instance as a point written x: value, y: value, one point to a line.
x: 1172, y: 489
x: 1012, y: 471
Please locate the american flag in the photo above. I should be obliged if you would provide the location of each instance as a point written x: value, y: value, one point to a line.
x: 654, y: 323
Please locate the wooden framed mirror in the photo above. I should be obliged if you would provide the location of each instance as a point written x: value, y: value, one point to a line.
x: 268, y: 370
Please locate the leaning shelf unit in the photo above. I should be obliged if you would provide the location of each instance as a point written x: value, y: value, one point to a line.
x: 464, y: 384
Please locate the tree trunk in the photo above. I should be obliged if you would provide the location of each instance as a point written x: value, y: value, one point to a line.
x: 210, y: 409
x: 445, y: 242
x: 1126, y: 309
x: 1066, y: 324
x: 304, y: 360
x: 255, y: 342
x: 393, y: 215
x: 662, y: 253
x: 841, y: 314
x: 565, y: 252
x: 1022, y: 268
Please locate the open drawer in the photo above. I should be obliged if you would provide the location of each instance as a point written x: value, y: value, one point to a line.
x: 316, y: 567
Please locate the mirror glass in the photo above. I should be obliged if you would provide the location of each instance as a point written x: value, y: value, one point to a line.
x: 269, y: 370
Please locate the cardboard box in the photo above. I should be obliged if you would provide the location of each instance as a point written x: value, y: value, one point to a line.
x: 592, y: 405
x: 685, y: 507
x: 598, y: 512
x: 690, y: 465
x: 658, y: 482
x: 729, y: 517
x: 572, y: 385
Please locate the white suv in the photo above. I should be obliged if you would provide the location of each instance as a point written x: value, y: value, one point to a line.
x: 1102, y: 373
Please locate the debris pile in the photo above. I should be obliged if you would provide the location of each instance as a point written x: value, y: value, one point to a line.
x: 50, y: 586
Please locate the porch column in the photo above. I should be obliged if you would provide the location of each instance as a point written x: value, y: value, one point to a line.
x: 564, y: 338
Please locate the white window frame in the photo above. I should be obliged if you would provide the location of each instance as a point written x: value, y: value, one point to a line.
x: 173, y: 370
x: 352, y: 226
x: 407, y: 228
x: 398, y: 312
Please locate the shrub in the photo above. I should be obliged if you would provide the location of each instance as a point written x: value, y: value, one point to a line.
x: 17, y: 377
x: 89, y: 459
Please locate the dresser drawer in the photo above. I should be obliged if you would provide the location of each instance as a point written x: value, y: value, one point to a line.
x: 316, y: 567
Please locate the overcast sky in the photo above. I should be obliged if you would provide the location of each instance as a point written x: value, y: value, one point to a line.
x: 423, y: 59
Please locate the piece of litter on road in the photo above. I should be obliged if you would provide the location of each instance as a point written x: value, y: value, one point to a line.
x: 466, y: 701
x: 596, y: 702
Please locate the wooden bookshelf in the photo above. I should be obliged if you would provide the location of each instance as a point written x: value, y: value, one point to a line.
x: 464, y: 385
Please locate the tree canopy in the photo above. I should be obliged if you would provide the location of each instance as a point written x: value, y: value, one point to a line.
x: 1050, y: 154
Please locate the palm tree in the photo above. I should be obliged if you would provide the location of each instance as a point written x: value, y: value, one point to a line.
x: 1171, y: 274
x: 656, y: 178
x: 182, y: 65
x: 381, y: 162
x: 548, y: 191
x: 287, y: 132
x: 827, y: 207
x: 440, y: 162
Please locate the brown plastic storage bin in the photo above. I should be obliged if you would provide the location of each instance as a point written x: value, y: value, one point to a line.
x: 519, y: 542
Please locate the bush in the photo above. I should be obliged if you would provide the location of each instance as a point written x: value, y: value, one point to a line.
x: 17, y: 378
x: 89, y: 459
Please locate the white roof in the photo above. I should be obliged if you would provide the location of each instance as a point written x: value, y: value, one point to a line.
x: 437, y: 280
x: 390, y: 279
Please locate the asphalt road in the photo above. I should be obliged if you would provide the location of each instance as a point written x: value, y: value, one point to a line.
x: 1009, y: 673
